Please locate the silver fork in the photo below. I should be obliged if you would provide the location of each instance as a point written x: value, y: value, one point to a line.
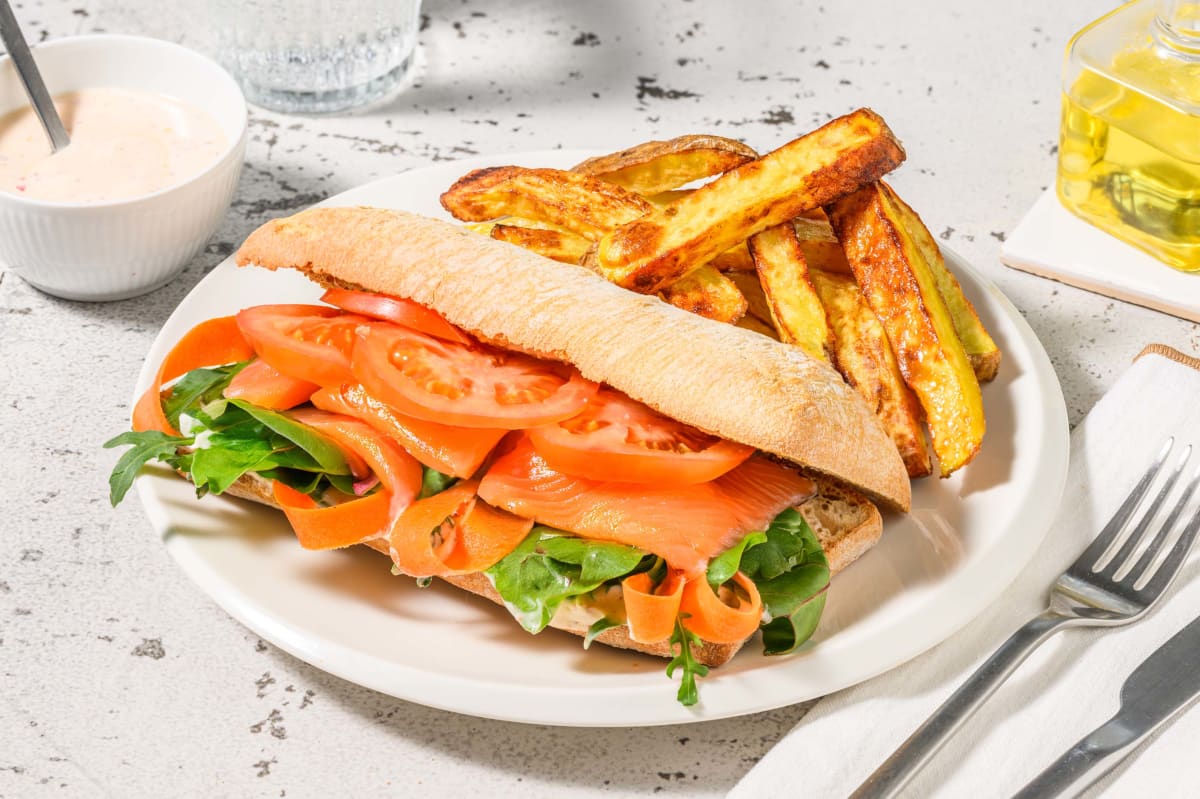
x: 1097, y: 590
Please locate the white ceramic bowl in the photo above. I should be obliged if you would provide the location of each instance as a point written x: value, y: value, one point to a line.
x: 120, y: 249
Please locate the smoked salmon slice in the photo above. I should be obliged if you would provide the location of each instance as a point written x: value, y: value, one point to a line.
x: 686, y: 525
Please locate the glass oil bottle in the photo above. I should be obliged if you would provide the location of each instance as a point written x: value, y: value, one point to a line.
x: 1129, y: 151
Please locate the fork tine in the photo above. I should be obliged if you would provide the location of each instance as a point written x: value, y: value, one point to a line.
x: 1172, y: 565
x: 1145, y: 564
x: 1092, y: 555
x: 1124, y: 557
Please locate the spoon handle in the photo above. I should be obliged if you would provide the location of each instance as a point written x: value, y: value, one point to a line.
x: 31, y: 79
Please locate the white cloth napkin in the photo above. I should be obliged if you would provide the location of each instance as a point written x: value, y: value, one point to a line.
x: 1066, y: 688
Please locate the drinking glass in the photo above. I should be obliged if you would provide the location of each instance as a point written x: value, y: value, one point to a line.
x: 316, y: 56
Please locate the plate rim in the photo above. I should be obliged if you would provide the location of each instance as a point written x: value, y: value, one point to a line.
x: 471, y: 697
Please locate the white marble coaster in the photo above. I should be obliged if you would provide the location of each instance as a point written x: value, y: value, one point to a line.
x: 1052, y: 242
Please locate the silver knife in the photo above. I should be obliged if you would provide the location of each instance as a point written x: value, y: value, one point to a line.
x: 1162, y: 688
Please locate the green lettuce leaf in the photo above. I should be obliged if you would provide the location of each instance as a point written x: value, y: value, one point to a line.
x: 197, y: 388
x: 792, y: 575
x: 549, y: 567
x: 722, y: 568
x: 323, y: 451
x: 434, y: 482
x: 228, y: 438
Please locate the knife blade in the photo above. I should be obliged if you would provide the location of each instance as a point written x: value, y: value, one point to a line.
x: 1165, y: 685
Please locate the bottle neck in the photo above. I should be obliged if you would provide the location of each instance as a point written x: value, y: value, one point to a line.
x: 1177, y: 26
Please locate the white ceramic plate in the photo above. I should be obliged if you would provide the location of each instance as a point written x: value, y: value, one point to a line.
x: 935, y: 569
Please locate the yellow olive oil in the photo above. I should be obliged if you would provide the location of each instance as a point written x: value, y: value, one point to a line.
x: 1129, y: 151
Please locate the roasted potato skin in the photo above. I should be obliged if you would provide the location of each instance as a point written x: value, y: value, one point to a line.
x: 796, y: 311
x: 708, y: 293
x: 865, y: 358
x: 566, y: 248
x: 653, y: 251
x: 582, y: 204
x: 901, y: 289
x: 654, y: 167
x: 981, y: 349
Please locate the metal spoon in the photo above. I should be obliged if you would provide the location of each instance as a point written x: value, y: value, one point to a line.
x: 31, y: 79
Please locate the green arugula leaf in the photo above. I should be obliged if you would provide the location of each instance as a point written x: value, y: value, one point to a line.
x: 548, y: 567
x: 434, y: 482
x: 147, y: 446
x: 685, y: 660
x: 226, y: 458
x: 722, y: 568
x: 598, y: 560
x: 229, y: 438
x: 198, y: 387
x: 792, y: 576
x: 323, y: 451
x: 600, y: 625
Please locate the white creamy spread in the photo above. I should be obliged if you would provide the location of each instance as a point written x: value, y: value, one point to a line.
x: 125, y: 143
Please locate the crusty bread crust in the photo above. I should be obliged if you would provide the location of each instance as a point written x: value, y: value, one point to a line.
x: 719, y: 378
x: 846, y: 523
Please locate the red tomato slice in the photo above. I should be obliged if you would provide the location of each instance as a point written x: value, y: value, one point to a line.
x: 457, y: 451
x: 307, y: 342
x: 395, y: 309
x: 265, y: 386
x: 467, y: 386
x: 617, y: 438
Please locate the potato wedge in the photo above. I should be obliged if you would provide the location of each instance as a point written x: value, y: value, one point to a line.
x: 735, y: 259
x: 866, y: 360
x: 981, y: 350
x: 821, y: 248
x: 661, y: 247
x: 901, y: 289
x: 796, y: 311
x: 658, y: 166
x: 565, y: 247
x: 756, y: 301
x: 664, y: 198
x: 581, y: 204
x: 708, y: 293
x: 758, y: 326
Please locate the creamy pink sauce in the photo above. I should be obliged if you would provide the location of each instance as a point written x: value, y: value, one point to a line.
x: 125, y: 143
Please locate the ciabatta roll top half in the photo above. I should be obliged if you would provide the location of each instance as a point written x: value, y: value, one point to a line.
x: 727, y: 381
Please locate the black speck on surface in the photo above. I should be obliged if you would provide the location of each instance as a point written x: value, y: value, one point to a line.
x: 822, y: 64
x: 586, y: 39
x: 648, y: 87
x: 779, y: 115
x: 273, y: 724
x: 263, y: 683
x: 999, y: 235
x: 260, y: 645
x: 308, y: 699
x: 264, y: 767
x: 149, y: 648
x: 946, y: 234
x: 265, y: 206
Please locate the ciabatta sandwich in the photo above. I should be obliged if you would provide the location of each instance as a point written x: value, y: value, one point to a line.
x: 595, y: 460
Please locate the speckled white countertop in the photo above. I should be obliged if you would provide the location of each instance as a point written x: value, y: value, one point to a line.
x: 119, y: 677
